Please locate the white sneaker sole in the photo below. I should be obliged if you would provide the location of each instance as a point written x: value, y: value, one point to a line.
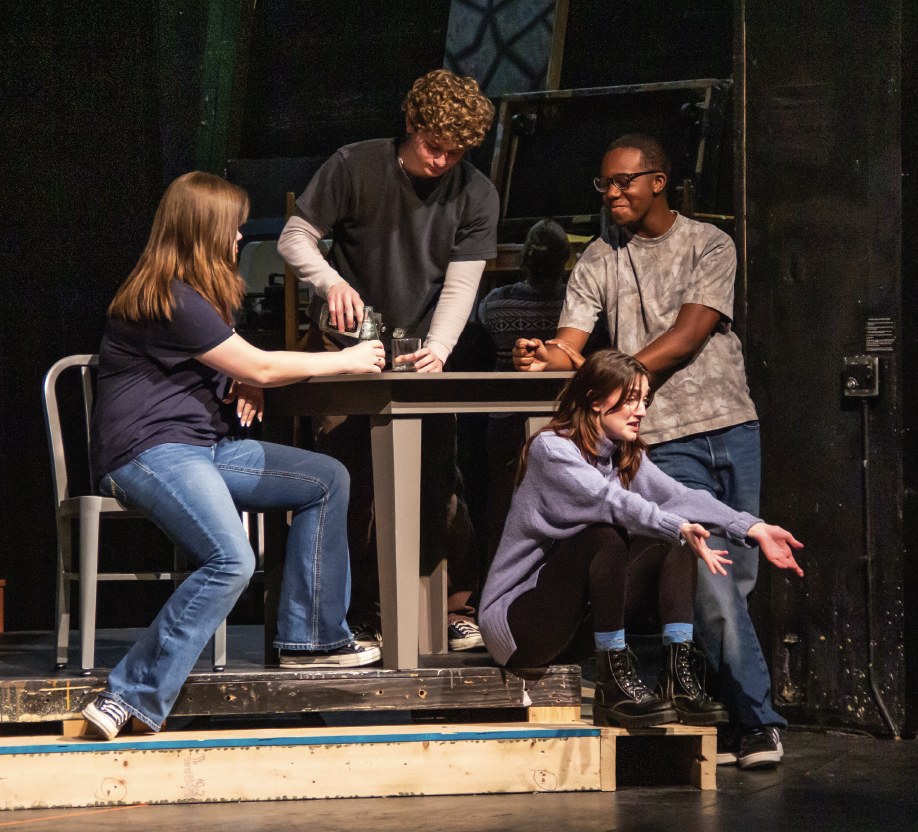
x: 761, y: 759
x: 467, y: 643
x: 367, y: 656
x: 105, y: 726
x: 726, y: 758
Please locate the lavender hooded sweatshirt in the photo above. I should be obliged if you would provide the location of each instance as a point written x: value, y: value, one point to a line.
x: 561, y: 495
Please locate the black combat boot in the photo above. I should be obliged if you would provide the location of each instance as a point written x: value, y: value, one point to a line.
x: 679, y: 687
x: 621, y: 699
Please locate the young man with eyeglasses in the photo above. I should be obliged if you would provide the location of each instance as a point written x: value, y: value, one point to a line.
x: 412, y: 224
x: 665, y: 286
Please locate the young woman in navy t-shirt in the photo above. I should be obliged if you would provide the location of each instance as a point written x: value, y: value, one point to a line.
x: 171, y: 373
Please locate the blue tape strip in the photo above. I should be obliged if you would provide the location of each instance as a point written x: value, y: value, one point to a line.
x: 267, y: 742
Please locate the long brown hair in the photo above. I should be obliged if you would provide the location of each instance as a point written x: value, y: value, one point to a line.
x: 193, y: 239
x: 604, y: 372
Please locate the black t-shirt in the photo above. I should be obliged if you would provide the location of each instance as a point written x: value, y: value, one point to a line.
x: 151, y: 390
x: 389, y: 243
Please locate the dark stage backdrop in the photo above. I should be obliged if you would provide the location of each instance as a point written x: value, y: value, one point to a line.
x: 325, y: 73
x: 93, y: 126
x: 102, y: 105
x: 830, y: 124
x: 644, y: 41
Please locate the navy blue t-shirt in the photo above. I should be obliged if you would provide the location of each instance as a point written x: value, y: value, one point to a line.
x: 151, y: 390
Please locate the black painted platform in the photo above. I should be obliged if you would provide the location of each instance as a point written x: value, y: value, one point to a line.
x: 32, y: 691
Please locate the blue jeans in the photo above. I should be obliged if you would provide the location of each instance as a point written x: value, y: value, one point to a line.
x: 194, y: 494
x: 727, y: 463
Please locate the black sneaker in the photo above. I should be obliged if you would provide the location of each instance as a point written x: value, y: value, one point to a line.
x: 462, y: 632
x: 760, y: 748
x: 366, y: 634
x: 108, y: 716
x: 727, y: 747
x: 351, y: 655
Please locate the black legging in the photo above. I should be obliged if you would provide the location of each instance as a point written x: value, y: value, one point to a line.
x: 612, y: 572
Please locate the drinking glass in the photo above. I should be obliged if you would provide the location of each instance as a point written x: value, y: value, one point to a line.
x: 402, y: 354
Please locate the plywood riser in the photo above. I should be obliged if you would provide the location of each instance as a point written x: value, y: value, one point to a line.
x: 310, y: 763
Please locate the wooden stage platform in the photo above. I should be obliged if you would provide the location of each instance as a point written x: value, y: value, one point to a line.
x: 32, y: 691
x: 298, y: 764
x: 457, y: 725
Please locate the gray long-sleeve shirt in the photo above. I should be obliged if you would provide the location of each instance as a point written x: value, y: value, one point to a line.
x: 560, y: 496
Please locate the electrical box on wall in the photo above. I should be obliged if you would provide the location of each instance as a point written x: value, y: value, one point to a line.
x: 862, y: 377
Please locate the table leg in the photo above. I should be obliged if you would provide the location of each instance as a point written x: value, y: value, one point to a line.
x: 534, y: 424
x: 432, y: 638
x: 397, y: 487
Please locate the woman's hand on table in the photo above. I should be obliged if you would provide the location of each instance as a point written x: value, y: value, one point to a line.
x: 250, y: 402
x: 365, y: 357
x: 426, y: 361
x: 696, y: 537
x: 776, y: 544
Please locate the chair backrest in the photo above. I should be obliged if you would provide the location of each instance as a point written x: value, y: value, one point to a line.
x: 258, y: 260
x: 53, y: 419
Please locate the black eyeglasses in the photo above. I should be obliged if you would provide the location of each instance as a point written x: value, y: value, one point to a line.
x: 622, y: 181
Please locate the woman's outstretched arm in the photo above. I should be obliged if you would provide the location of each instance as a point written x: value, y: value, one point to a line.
x: 239, y: 360
x: 699, y: 506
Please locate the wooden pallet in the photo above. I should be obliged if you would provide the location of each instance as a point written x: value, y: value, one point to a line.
x: 285, y: 764
x: 246, y: 693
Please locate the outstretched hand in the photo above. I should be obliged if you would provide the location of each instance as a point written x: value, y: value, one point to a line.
x: 776, y: 544
x: 696, y: 536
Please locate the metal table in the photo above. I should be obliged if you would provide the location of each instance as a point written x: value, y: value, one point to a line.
x: 396, y: 402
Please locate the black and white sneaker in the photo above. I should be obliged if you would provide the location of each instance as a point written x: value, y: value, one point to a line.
x: 351, y: 655
x: 107, y: 715
x: 727, y: 747
x: 462, y: 632
x: 760, y: 748
x: 366, y: 634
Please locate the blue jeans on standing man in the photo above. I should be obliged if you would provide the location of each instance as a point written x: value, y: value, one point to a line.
x: 194, y: 494
x: 727, y: 463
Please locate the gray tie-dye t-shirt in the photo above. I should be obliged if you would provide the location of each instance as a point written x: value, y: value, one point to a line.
x: 640, y: 285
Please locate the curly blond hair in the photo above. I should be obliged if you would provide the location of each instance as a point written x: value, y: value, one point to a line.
x: 450, y: 107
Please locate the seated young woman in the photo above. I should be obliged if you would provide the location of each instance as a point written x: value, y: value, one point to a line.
x: 170, y: 369
x: 594, y: 524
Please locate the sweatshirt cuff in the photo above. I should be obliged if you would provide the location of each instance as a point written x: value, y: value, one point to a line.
x: 671, y: 525
x: 322, y: 283
x: 739, y: 528
x: 438, y: 349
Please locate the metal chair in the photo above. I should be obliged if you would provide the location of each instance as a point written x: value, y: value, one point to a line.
x: 89, y: 510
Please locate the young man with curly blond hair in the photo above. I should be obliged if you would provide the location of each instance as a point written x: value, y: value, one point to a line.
x: 411, y: 221
x: 412, y: 224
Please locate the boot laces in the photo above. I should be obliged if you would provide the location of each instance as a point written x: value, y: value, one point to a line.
x: 685, y: 668
x: 628, y: 678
